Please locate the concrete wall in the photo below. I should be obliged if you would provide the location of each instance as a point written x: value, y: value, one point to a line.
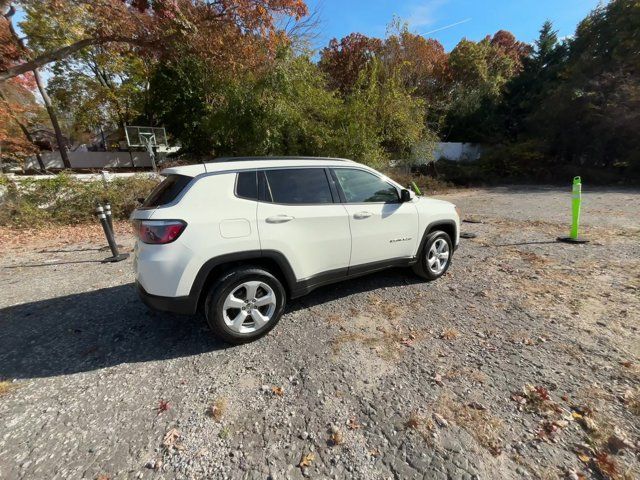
x: 457, y: 151
x: 92, y: 160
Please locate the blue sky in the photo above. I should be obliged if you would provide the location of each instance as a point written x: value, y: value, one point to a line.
x: 480, y: 17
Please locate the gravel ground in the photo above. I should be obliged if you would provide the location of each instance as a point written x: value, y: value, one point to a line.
x: 522, y: 361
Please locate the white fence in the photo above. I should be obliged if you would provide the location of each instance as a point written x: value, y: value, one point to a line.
x: 454, y: 151
x: 92, y: 160
x: 457, y: 151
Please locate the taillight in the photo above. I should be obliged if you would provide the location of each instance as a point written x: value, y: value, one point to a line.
x: 159, y: 231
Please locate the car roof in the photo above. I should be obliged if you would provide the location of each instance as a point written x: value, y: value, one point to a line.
x: 245, y: 163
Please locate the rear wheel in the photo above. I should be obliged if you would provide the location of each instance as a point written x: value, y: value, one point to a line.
x: 435, y: 256
x: 244, y: 304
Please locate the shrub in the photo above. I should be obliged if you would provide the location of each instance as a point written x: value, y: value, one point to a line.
x: 64, y: 199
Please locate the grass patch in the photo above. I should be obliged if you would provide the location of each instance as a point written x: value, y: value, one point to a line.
x: 6, y: 387
x: 217, y: 409
x: 486, y: 428
x: 449, y: 334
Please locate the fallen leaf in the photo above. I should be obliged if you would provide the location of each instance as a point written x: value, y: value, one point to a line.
x: 589, y: 424
x: 163, y: 406
x: 307, y: 459
x: 476, y: 406
x: 606, y: 465
x: 278, y: 391
x: 352, y: 424
x: 337, y: 438
x: 172, y: 440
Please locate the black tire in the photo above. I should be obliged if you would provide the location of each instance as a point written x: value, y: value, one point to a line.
x: 421, y: 268
x: 229, y: 283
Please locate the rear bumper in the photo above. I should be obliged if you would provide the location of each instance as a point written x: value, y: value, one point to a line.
x: 182, y: 305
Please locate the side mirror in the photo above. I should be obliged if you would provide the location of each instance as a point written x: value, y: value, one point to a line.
x: 405, y: 195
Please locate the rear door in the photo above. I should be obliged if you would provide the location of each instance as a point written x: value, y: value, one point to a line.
x: 382, y: 227
x: 297, y: 216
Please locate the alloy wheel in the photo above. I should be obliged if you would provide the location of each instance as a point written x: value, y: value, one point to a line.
x: 438, y: 256
x: 249, y: 307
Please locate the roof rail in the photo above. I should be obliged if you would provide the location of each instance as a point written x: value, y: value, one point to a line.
x: 274, y: 157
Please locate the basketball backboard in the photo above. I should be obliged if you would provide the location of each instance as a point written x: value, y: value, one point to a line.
x: 145, y: 137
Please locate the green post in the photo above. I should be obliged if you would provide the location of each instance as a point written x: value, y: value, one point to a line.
x: 415, y: 188
x: 575, y: 205
x: 576, y: 200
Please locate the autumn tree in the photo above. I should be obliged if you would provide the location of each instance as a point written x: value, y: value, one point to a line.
x: 506, y: 44
x: 342, y: 61
x: 422, y: 66
x: 17, y: 106
x: 229, y: 31
x: 479, y: 72
x: 18, y: 113
x: 24, y: 53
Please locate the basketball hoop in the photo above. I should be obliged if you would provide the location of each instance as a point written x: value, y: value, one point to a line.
x: 148, y: 138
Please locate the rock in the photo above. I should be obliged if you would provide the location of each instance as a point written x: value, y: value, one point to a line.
x: 619, y: 441
x: 440, y: 420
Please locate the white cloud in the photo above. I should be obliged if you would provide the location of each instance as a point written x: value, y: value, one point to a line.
x: 424, y: 14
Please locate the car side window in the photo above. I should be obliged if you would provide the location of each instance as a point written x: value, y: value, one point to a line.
x: 298, y: 186
x: 364, y: 187
x: 247, y: 185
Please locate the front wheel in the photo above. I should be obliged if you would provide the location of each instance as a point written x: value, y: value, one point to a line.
x: 435, y: 256
x: 244, y: 304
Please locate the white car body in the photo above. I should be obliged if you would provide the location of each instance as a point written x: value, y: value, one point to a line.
x: 310, y: 244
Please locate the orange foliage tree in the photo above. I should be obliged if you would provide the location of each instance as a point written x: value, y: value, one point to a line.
x: 16, y: 101
x: 343, y: 60
x: 231, y: 31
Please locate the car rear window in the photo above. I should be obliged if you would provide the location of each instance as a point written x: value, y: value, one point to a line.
x: 167, y: 191
x: 299, y: 186
x: 247, y: 185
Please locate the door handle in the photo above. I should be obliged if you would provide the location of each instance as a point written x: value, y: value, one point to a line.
x: 279, y: 219
x: 361, y: 215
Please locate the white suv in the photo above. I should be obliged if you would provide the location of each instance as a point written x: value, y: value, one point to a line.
x: 235, y: 238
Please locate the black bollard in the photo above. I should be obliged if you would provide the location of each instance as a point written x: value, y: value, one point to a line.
x: 116, y: 256
x: 107, y: 212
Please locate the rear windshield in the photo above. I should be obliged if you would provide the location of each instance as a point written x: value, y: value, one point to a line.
x: 166, y: 191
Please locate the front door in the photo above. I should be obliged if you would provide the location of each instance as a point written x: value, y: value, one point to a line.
x: 382, y: 227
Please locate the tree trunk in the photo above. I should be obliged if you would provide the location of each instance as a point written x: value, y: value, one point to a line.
x: 54, y: 119
x: 27, y: 134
